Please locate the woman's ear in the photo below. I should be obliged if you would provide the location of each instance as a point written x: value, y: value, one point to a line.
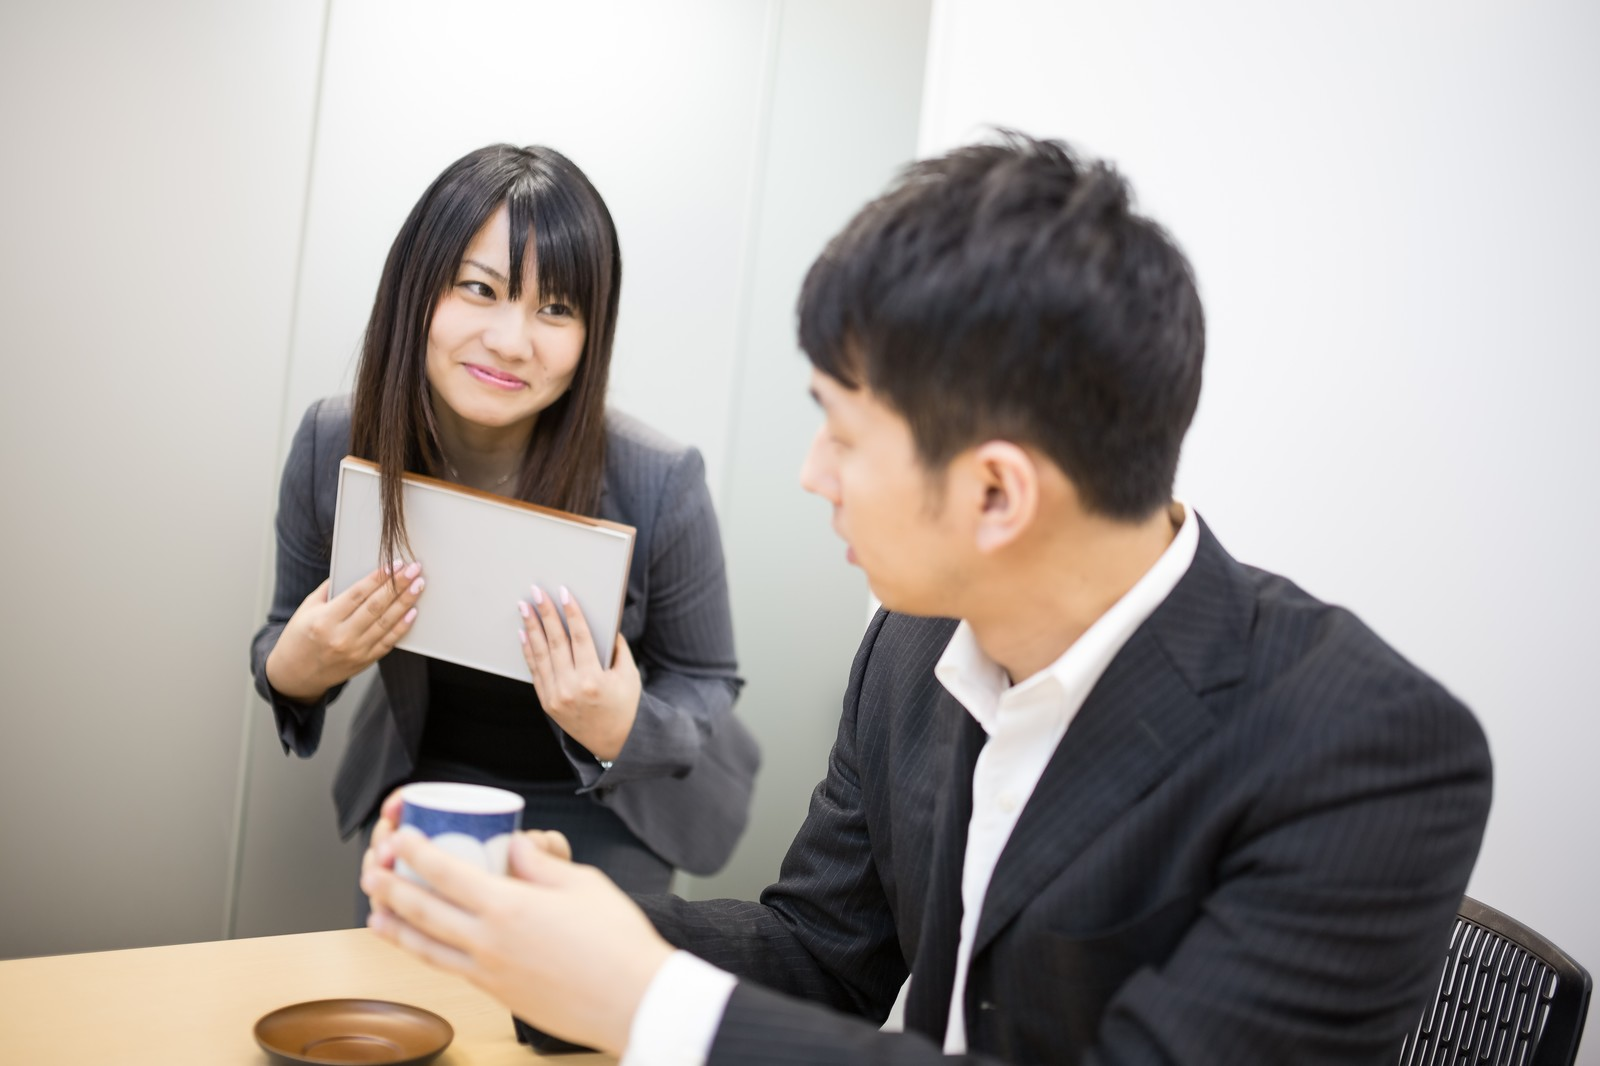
x: 1009, y: 476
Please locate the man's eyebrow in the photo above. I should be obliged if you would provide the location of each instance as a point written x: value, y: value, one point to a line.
x: 489, y: 270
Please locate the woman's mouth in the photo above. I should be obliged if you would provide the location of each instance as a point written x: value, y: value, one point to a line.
x: 495, y: 378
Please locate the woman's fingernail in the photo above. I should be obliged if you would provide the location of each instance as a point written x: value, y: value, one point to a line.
x: 525, y: 610
x: 393, y: 566
x: 566, y: 597
x: 410, y: 616
x: 413, y: 570
x: 522, y: 635
x: 538, y: 597
x: 416, y: 586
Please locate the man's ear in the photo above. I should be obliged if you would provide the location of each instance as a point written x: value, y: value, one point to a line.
x: 1009, y: 477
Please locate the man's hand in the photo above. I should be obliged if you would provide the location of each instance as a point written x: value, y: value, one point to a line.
x: 551, y: 841
x: 557, y: 943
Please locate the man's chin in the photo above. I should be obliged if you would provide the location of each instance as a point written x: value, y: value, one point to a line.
x: 890, y: 601
x: 928, y: 604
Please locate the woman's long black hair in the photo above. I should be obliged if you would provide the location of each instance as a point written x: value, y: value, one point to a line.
x: 579, y: 263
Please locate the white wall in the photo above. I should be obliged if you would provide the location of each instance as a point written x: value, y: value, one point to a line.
x: 1391, y: 211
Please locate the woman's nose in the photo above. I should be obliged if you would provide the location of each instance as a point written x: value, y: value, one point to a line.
x: 510, y: 334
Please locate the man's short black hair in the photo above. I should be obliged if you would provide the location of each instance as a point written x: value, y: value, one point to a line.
x: 1009, y: 291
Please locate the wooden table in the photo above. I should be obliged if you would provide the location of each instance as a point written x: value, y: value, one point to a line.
x: 198, y: 1003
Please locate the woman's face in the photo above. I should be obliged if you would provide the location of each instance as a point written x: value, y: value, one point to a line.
x: 493, y: 361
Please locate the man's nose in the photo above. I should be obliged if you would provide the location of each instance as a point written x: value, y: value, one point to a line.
x: 816, y: 470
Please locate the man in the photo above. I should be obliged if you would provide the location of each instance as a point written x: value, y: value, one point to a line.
x: 1142, y: 803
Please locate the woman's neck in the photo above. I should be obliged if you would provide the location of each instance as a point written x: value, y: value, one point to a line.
x: 482, y: 457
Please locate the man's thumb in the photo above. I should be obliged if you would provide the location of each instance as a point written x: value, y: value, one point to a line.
x: 532, y: 862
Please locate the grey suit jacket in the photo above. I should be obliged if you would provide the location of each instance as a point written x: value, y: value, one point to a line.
x: 1248, y: 848
x: 682, y: 782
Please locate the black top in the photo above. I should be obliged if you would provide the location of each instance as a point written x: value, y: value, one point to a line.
x: 487, y: 730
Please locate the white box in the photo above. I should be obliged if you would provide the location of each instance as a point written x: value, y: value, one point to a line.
x: 480, y: 554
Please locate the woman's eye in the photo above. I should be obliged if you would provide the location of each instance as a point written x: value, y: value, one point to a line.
x: 479, y: 288
x: 559, y: 310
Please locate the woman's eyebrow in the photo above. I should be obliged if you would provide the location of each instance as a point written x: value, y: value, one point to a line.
x: 489, y: 270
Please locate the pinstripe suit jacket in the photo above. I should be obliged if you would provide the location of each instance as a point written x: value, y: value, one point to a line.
x: 682, y: 783
x: 1247, y: 848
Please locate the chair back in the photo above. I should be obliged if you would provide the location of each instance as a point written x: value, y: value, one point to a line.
x: 1507, y: 997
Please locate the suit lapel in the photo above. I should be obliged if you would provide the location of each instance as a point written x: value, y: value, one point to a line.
x: 933, y: 971
x: 1106, y: 761
x: 1141, y: 718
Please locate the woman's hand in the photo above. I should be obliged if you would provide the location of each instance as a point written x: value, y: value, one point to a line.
x: 594, y: 705
x: 326, y: 641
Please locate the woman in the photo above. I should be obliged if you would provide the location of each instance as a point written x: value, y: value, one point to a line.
x: 485, y: 363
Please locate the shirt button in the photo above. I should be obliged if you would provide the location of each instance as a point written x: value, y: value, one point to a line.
x: 1008, y: 802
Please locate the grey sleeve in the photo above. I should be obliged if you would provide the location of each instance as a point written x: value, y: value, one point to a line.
x: 682, y: 782
x: 303, y: 548
x: 824, y: 931
x: 818, y: 958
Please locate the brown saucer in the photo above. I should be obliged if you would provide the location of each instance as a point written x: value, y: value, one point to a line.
x: 331, y: 1032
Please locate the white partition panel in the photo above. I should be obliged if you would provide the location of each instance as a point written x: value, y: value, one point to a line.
x: 658, y: 103
x: 729, y: 138
x: 845, y: 95
x: 150, y: 202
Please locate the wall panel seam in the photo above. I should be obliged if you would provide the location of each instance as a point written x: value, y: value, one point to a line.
x: 263, y: 597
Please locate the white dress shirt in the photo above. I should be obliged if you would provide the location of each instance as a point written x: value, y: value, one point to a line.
x: 1025, y: 722
x: 678, y: 1017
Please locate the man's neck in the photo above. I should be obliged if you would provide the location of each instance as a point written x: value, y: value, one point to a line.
x: 1030, y: 615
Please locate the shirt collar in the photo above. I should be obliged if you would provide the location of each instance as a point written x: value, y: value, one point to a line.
x: 978, y: 682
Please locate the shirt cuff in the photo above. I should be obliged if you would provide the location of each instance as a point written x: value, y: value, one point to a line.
x: 678, y: 1017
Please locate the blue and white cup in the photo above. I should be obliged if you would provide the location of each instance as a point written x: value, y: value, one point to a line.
x: 471, y: 822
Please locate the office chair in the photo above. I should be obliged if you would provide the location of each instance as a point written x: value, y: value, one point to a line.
x: 1507, y: 997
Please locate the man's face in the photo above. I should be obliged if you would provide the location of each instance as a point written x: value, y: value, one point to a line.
x: 887, y: 508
